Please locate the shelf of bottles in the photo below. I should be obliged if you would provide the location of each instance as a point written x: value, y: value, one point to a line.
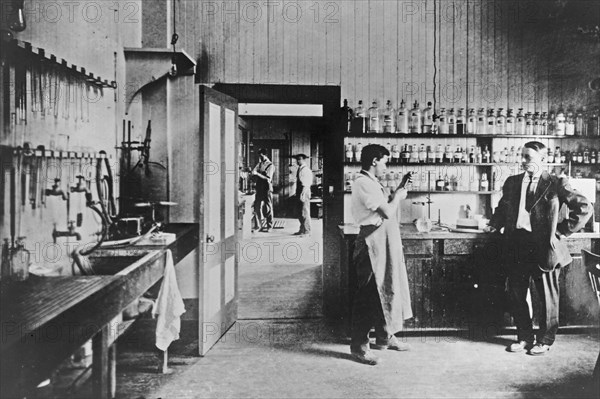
x: 467, y: 153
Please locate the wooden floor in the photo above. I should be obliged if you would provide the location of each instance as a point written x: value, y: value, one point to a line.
x: 281, y: 275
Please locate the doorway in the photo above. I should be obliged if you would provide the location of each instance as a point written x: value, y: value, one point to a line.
x: 277, y: 280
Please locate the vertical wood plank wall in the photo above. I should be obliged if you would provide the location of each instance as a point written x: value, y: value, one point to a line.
x: 458, y: 53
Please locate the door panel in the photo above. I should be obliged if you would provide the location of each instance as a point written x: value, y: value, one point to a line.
x: 218, y: 217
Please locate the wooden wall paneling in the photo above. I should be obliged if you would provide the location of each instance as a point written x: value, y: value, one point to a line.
x: 260, y: 40
x: 276, y: 40
x: 447, y: 53
x: 348, y: 53
x: 361, y: 56
x: 303, y: 44
x: 501, y: 56
x: 404, y: 58
x: 475, y: 52
x: 290, y: 15
x: 374, y: 66
x: 428, y: 21
x: 331, y: 19
x: 389, y: 70
x: 460, y: 52
x: 420, y: 53
x: 231, y: 48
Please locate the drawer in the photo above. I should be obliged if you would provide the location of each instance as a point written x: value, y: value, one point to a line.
x: 418, y: 247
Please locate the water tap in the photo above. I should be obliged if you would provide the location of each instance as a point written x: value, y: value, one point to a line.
x: 71, y: 232
x: 56, y: 190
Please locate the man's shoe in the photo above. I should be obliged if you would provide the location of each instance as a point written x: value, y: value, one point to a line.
x: 299, y: 233
x: 519, y: 346
x: 365, y: 358
x: 393, y: 344
x: 265, y: 229
x: 539, y: 349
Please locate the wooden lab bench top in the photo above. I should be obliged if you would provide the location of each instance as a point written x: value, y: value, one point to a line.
x: 46, y: 319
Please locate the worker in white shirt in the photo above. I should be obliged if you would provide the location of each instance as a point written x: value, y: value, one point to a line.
x: 263, y: 199
x: 382, y: 298
x: 304, y: 179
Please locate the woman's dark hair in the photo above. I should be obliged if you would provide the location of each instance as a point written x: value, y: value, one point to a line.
x: 535, y: 145
x: 262, y: 151
x: 371, y: 152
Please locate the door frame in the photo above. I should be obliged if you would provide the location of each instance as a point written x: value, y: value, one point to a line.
x: 333, y: 183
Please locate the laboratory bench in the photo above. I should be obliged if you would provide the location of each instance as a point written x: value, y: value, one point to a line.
x: 46, y: 319
x: 457, y: 281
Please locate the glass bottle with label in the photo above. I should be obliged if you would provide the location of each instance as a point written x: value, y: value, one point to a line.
x: 451, y: 122
x: 484, y: 185
x: 471, y: 121
x: 500, y: 122
x: 550, y: 155
x: 520, y: 124
x: 448, y: 154
x: 491, y: 122
x: 465, y: 156
x: 430, y: 154
x: 439, y: 183
x: 347, y: 112
x: 580, y: 126
x: 472, y: 154
x: 461, y: 123
x: 402, y: 121
x: 405, y: 155
x: 529, y: 124
x: 422, y: 153
x: 349, y: 153
x: 458, y: 154
x: 359, y: 122
x: 486, y: 156
x: 551, y: 123
x: 439, y: 154
x: 427, y: 118
x: 559, y: 124
x: 557, y: 155
x: 478, y: 155
x: 586, y: 155
x: 594, y: 123
x: 570, y: 124
x: 443, y: 122
x: 373, y: 115
x: 544, y: 124
x: 414, y: 154
x: 358, y: 152
x: 388, y: 118
x: 481, y: 122
x: 395, y: 154
x: 536, y: 124
x: 414, y: 123
x: 510, y: 122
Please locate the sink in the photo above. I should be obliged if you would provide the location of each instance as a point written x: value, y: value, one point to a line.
x: 108, y: 265
x: 121, y: 261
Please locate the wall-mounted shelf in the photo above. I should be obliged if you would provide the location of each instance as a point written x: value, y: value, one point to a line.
x: 462, y: 136
x: 41, y: 152
x: 25, y: 49
x: 429, y: 164
x: 445, y: 192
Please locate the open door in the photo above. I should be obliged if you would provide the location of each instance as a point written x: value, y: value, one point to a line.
x: 218, y: 198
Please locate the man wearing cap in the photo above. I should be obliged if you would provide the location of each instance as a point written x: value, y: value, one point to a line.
x: 304, y: 179
x: 534, y: 235
x: 263, y: 198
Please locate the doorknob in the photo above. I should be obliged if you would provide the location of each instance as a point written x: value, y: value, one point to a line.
x: 210, y: 238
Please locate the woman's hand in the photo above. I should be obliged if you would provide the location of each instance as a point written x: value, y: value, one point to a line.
x: 400, y: 193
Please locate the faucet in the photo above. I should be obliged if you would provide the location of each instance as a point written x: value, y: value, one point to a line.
x: 82, y: 186
x: 71, y: 232
x: 56, y: 190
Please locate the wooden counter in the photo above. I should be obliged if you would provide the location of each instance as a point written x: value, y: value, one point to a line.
x: 457, y: 280
x: 45, y: 319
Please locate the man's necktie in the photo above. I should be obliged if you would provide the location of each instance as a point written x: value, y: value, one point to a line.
x: 530, y: 195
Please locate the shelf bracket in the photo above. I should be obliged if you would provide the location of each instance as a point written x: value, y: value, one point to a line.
x: 144, y: 66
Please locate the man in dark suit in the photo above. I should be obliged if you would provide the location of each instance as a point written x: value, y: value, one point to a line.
x: 534, y: 235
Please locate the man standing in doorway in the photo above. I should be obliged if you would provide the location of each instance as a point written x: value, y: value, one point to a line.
x: 263, y: 199
x: 534, y: 234
x: 382, y: 298
x: 304, y: 179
